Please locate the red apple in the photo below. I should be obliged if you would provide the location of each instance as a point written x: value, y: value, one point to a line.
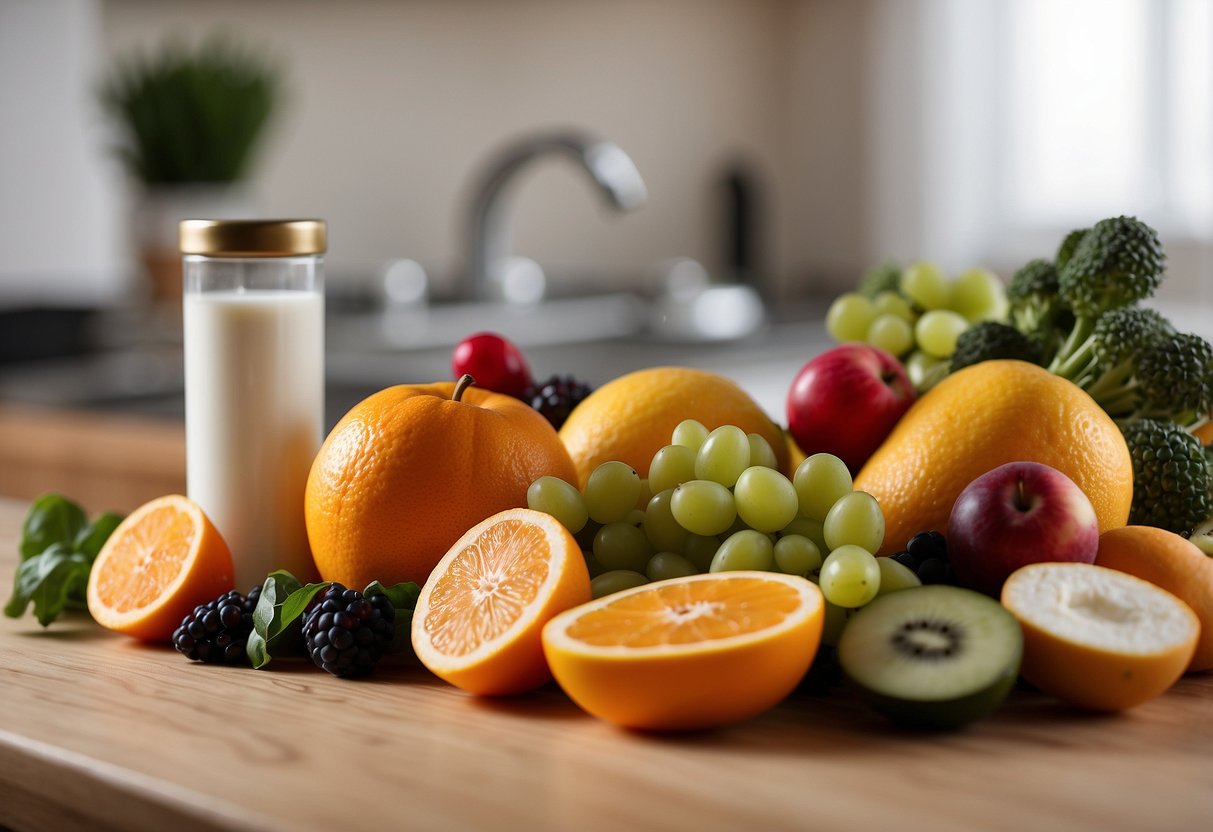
x: 1016, y: 514
x: 846, y: 400
x: 494, y: 361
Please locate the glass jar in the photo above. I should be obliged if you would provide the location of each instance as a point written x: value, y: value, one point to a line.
x: 254, y: 384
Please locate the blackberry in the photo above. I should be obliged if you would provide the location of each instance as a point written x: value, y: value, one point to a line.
x: 926, y: 555
x: 556, y: 397
x: 218, y: 630
x: 346, y: 632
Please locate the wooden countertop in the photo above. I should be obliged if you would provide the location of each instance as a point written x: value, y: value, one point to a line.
x: 100, y: 732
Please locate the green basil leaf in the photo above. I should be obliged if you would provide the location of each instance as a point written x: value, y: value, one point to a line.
x: 47, y: 580
x: 92, y: 537
x: 277, y: 588
x: 282, y: 603
x: 51, y: 519
x: 402, y: 595
x: 297, y: 603
x: 404, y: 599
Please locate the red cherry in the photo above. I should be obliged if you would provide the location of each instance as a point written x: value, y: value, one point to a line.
x: 495, y: 362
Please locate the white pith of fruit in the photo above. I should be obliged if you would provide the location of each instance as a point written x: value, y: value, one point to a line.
x: 1099, y: 608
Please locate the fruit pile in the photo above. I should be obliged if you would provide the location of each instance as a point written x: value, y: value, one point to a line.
x: 650, y: 546
x: 714, y: 501
x: 916, y: 314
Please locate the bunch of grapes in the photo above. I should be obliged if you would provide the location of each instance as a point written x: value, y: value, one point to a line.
x: 716, y: 502
x: 918, y: 316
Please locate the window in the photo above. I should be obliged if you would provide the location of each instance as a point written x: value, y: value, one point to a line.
x: 1108, y: 108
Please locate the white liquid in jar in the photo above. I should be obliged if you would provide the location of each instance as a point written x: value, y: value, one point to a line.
x: 254, y: 416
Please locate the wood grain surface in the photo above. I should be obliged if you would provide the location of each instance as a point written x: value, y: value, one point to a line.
x: 114, y: 461
x: 100, y: 732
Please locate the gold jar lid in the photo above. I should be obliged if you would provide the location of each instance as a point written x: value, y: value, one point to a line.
x: 252, y: 238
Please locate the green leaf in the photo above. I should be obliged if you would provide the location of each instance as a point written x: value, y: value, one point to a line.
x: 92, y: 537
x: 281, y: 604
x: 47, y: 580
x: 277, y: 588
x: 404, y: 600
x: 51, y: 519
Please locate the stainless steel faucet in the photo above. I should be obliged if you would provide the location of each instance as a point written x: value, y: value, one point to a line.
x: 488, y: 236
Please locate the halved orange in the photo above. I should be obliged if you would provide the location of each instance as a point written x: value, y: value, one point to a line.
x: 686, y: 653
x: 478, y: 619
x: 163, y: 560
x: 1098, y: 638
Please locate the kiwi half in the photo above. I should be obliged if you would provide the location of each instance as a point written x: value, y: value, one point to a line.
x: 935, y: 656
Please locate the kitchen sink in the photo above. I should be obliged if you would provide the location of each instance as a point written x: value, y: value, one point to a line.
x: 595, y: 339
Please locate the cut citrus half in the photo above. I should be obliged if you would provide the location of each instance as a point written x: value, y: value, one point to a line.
x: 1098, y: 638
x: 163, y: 560
x: 479, y: 617
x: 685, y: 653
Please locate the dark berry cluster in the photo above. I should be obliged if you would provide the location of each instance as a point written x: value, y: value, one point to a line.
x: 556, y: 397
x: 926, y: 555
x: 218, y: 630
x: 347, y: 632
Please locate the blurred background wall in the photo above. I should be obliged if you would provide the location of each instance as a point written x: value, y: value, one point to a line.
x: 963, y: 132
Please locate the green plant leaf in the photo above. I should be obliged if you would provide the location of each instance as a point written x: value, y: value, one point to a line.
x: 404, y: 600
x: 48, y: 580
x: 283, y: 601
x: 51, y: 519
x: 92, y: 537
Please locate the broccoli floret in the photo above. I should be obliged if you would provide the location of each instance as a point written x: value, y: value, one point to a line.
x: 1106, y: 362
x: 1066, y: 250
x: 1116, y: 264
x: 877, y: 279
x: 990, y: 340
x: 1171, y: 476
x: 1176, y: 378
x: 1036, y: 309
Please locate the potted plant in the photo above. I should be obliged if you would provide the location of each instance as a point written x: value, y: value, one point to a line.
x: 190, y: 121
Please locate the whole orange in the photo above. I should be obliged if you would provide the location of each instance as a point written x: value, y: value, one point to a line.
x: 632, y: 417
x: 411, y: 468
x: 981, y: 417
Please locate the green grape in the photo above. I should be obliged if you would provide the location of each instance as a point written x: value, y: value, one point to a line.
x: 835, y: 620
x: 611, y: 492
x: 925, y: 285
x: 636, y: 518
x: 889, y: 302
x: 622, y: 546
x: 646, y: 494
x: 671, y: 466
x: 669, y: 565
x: 689, y: 433
x: 814, y: 530
x: 554, y: 496
x: 820, y: 481
x: 723, y: 455
x: 585, y: 537
x: 660, y: 527
x: 920, y: 365
x: 979, y: 295
x: 703, y: 507
x: 797, y: 555
x: 614, y: 581
x: 746, y: 549
x: 591, y: 563
x: 938, y: 330
x: 700, y: 549
x: 850, y: 576
x: 766, y: 499
x: 761, y: 452
x: 894, y: 576
x: 892, y: 334
x: 849, y: 317
x: 856, y: 519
